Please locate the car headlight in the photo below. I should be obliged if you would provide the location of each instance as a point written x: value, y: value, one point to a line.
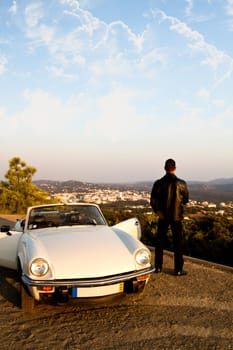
x: 39, y: 267
x: 142, y: 256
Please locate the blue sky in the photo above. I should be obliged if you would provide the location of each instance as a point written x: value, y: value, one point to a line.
x: 107, y: 90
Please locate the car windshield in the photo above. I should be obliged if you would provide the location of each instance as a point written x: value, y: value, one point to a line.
x: 64, y: 215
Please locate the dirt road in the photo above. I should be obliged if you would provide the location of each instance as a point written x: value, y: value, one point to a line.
x: 175, y: 313
x: 190, y: 312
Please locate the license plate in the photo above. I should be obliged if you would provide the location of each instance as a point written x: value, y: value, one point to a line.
x: 89, y: 292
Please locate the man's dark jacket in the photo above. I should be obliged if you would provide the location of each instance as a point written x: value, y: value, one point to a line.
x: 168, y: 196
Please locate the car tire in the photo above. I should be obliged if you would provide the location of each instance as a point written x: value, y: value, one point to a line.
x: 139, y: 292
x: 27, y: 301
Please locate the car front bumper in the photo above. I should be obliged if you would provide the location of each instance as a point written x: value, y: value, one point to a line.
x: 89, y: 282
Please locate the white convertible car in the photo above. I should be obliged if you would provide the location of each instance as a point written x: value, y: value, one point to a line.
x: 68, y: 250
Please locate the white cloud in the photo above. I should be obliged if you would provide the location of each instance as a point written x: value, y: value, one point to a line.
x: 40, y: 35
x: 41, y: 116
x: 218, y: 102
x: 84, y: 132
x: 72, y: 3
x: 95, y: 28
x: 204, y: 93
x: 214, y: 57
x: 3, y: 64
x: 92, y: 46
x: 13, y: 8
x: 59, y: 72
x: 136, y: 87
x: 89, y: 34
x: 193, y: 16
x: 229, y: 7
x: 148, y: 60
x: 117, y: 119
x: 137, y: 40
x: 189, y: 7
x: 88, y: 23
x: 189, y: 113
x: 2, y: 113
x: 229, y: 12
x: 33, y: 14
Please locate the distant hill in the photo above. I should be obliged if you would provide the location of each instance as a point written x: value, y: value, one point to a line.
x: 221, y: 181
x: 215, y: 191
x: 218, y: 190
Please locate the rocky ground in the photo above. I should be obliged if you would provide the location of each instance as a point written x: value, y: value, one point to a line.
x: 189, y: 312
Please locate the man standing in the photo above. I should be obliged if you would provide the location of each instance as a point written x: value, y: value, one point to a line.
x: 168, y: 196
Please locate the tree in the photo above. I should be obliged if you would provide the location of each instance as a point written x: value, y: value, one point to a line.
x: 19, y: 172
x: 18, y: 192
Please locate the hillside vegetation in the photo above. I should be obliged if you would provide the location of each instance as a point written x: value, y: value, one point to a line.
x: 208, y: 237
x: 18, y: 192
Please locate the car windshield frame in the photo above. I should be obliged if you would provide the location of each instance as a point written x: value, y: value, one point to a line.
x: 61, y: 215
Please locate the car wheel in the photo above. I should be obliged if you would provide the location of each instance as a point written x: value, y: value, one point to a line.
x: 27, y: 301
x: 137, y: 295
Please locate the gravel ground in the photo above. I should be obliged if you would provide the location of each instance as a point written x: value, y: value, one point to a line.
x: 189, y: 312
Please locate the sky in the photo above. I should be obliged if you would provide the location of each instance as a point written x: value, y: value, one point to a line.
x: 107, y: 90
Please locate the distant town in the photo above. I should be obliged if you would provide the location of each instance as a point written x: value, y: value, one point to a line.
x: 135, y: 196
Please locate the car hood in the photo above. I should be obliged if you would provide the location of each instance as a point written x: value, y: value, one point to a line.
x: 85, y: 252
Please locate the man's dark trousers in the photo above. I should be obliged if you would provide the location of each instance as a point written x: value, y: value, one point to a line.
x: 177, y: 236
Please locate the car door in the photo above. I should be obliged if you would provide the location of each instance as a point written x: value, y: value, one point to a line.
x: 131, y: 226
x: 9, y: 242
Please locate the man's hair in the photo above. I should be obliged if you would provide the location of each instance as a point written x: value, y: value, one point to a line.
x: 170, y: 165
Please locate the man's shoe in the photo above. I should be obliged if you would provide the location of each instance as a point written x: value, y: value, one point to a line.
x: 180, y: 273
x: 158, y: 270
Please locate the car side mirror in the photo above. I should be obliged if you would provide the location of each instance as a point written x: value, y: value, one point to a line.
x: 5, y: 228
x: 19, y: 226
